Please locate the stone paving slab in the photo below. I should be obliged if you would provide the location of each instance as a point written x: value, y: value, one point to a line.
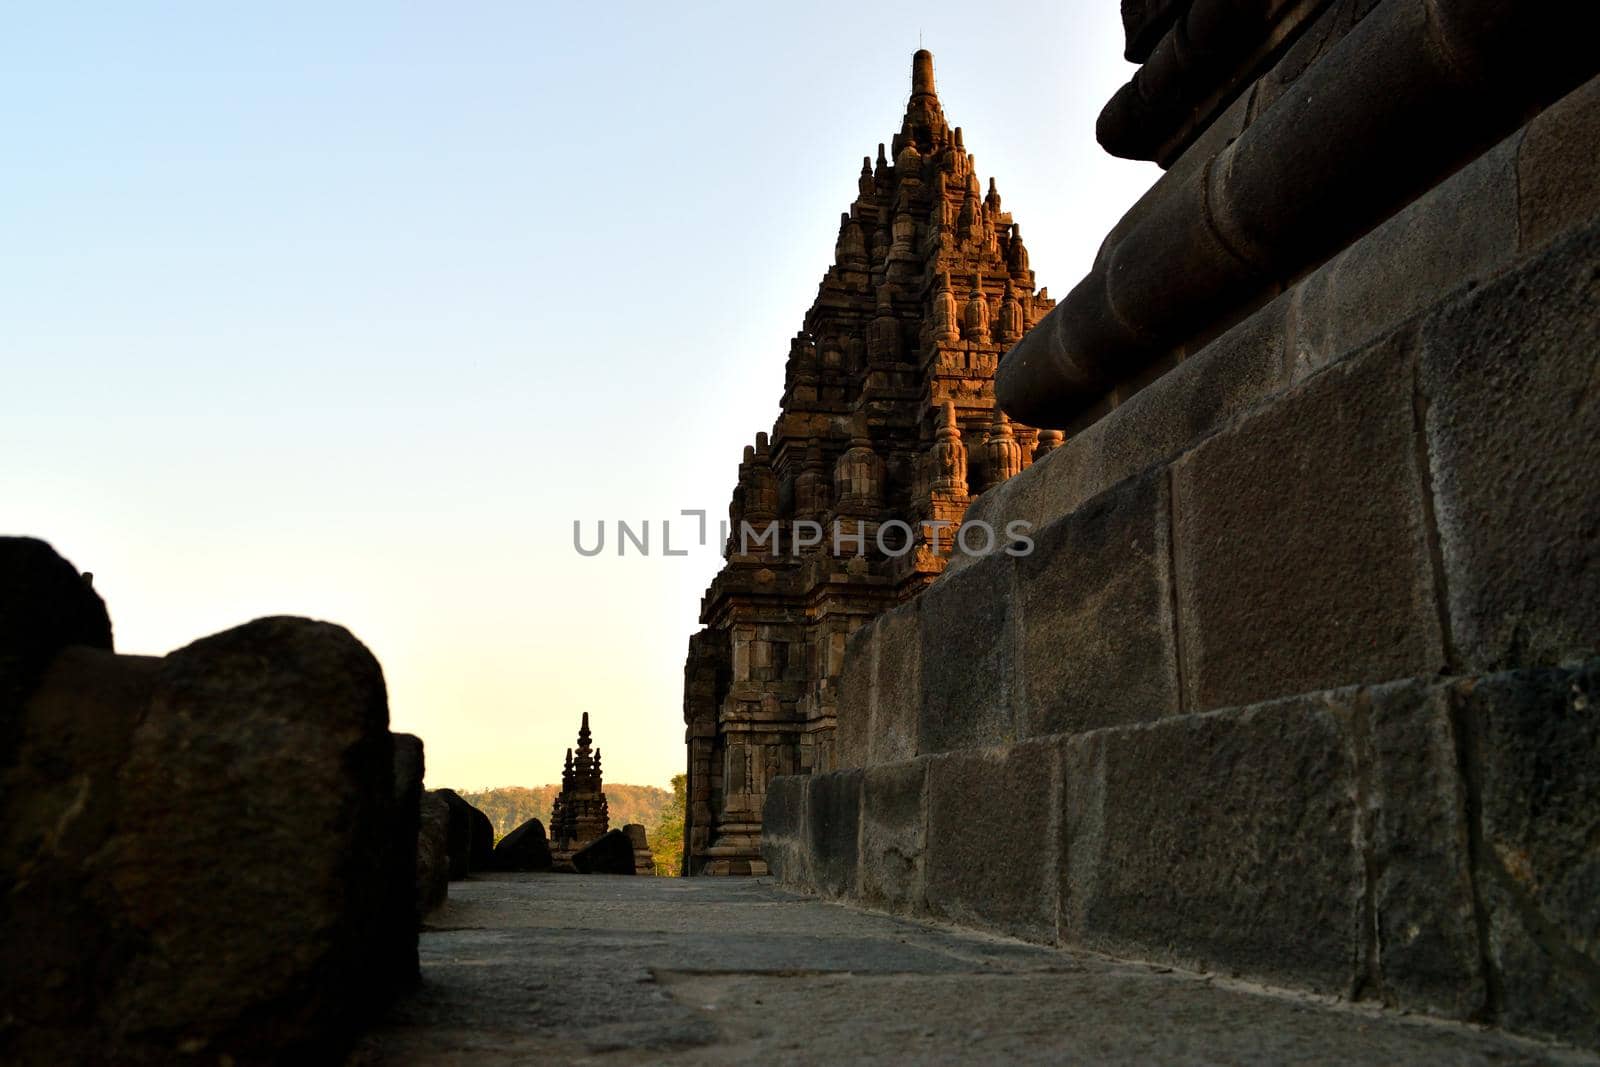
x: 573, y: 969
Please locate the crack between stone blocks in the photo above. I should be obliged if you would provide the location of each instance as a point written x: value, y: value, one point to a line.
x: 1174, y: 601
x: 1369, y: 977
x: 1057, y: 832
x: 861, y: 828
x: 1466, y: 749
x: 873, y: 689
x: 1430, y: 518
x: 1018, y: 710
x: 920, y: 893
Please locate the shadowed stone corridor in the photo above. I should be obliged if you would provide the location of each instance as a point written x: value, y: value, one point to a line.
x: 539, y: 968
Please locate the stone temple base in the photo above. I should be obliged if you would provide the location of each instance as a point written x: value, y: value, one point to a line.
x: 1298, y: 683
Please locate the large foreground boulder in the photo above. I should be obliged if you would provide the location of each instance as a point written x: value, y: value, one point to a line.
x: 45, y: 606
x: 610, y: 853
x: 524, y: 849
x: 197, y: 852
x: 471, y: 837
x: 433, y: 853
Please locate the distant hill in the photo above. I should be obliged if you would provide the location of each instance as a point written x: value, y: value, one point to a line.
x: 508, y: 807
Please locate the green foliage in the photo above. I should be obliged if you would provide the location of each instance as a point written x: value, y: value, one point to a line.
x: 666, y: 833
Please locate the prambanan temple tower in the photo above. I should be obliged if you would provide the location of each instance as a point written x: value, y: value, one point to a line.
x: 887, y: 429
x: 579, y: 815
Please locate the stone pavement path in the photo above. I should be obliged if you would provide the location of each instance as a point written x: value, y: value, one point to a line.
x: 553, y: 969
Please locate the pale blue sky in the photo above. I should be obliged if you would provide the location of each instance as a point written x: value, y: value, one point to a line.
x: 350, y: 310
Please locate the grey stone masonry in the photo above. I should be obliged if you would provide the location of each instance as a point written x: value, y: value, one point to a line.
x: 1517, y: 212
x: 1299, y: 682
x: 1402, y: 842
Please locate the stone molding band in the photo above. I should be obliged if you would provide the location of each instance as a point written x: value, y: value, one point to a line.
x: 1412, y: 92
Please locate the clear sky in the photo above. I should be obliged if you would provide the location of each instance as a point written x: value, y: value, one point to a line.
x: 350, y: 310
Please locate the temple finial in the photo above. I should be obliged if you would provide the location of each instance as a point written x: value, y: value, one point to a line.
x: 922, y: 73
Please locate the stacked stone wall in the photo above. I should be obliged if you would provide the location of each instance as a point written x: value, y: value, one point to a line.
x: 1299, y: 681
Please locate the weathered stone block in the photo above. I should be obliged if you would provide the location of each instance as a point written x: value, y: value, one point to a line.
x: 1508, y: 377
x: 853, y: 725
x: 1202, y: 394
x: 1427, y: 947
x: 610, y: 853
x: 897, y: 685
x: 893, y: 834
x: 1461, y: 231
x: 1223, y: 841
x: 433, y: 854
x: 785, y: 844
x: 524, y: 849
x: 206, y: 856
x: 1301, y: 543
x: 1535, y: 743
x: 400, y: 881
x: 992, y: 842
x: 968, y: 626
x: 1558, y: 183
x: 471, y: 837
x: 833, y: 828
x: 59, y: 935
x: 994, y: 507
x: 1096, y: 620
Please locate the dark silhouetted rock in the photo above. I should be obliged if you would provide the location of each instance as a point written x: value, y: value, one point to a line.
x: 610, y: 853
x: 196, y: 853
x: 644, y: 861
x: 402, y: 905
x: 458, y: 841
x: 433, y: 853
x: 523, y: 849
x: 471, y: 837
x: 45, y: 606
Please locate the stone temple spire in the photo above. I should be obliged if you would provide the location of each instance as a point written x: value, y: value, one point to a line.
x: 579, y: 814
x: 924, y: 123
x: 922, y: 74
x: 891, y: 368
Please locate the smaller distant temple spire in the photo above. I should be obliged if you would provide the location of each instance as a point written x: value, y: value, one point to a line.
x: 579, y: 814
